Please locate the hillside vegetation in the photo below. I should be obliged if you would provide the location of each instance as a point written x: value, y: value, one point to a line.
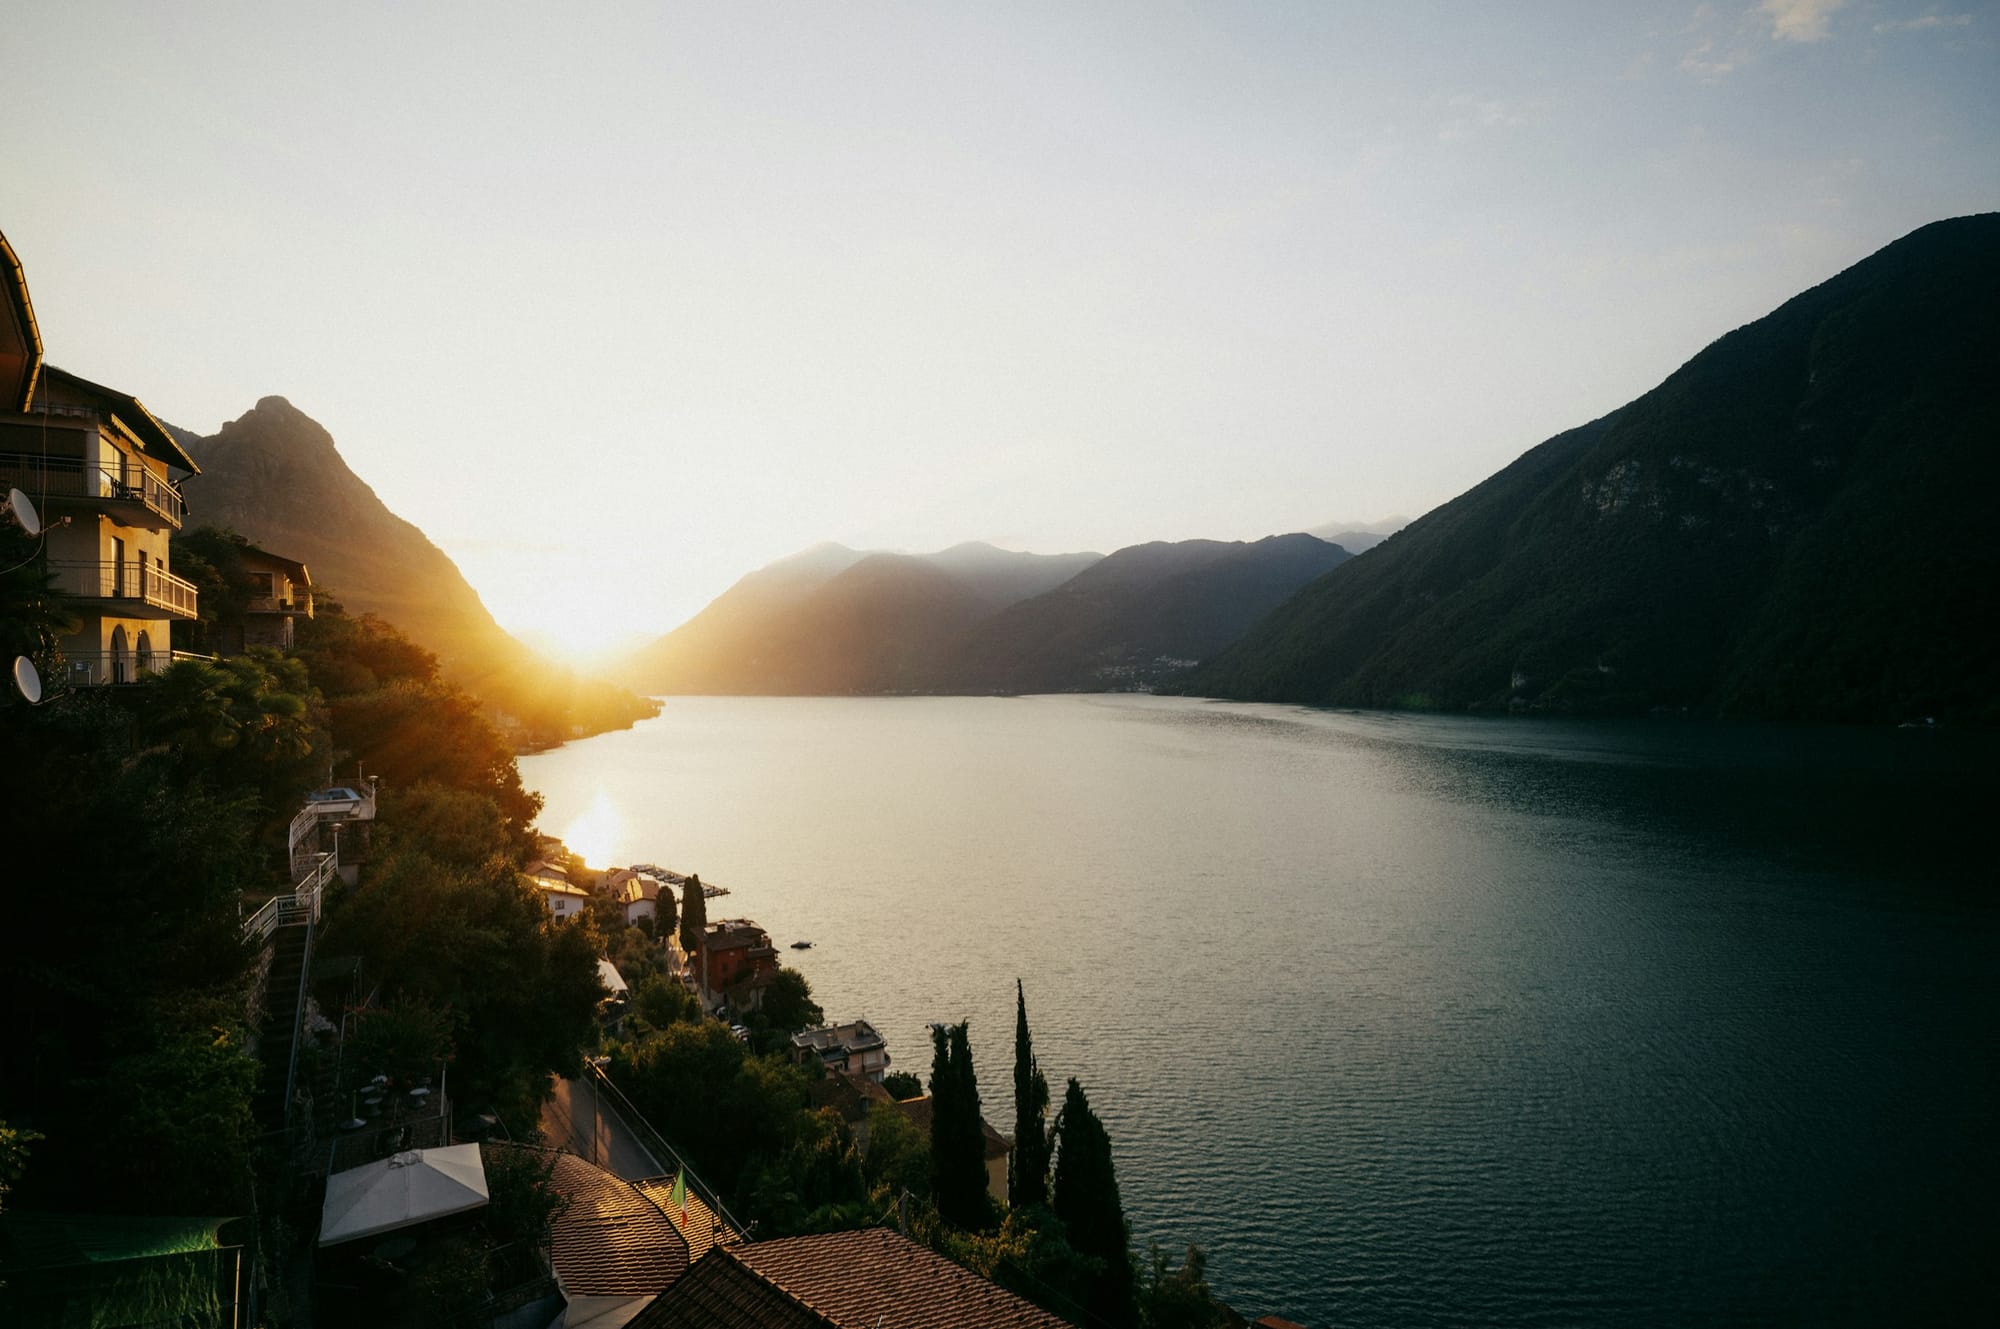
x: 1793, y: 525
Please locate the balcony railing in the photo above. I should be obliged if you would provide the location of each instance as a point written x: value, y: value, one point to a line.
x: 97, y: 669
x: 71, y: 478
x: 130, y: 580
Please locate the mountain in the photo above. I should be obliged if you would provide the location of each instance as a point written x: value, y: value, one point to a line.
x: 1358, y: 537
x: 837, y: 620
x: 275, y: 476
x: 1144, y: 613
x: 1795, y: 524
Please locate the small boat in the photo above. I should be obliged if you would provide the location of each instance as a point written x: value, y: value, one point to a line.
x: 802, y: 945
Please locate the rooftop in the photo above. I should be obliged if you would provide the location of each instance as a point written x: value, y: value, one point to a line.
x: 918, y: 1110
x: 854, y: 1036
x: 871, y: 1279
x: 613, y: 1240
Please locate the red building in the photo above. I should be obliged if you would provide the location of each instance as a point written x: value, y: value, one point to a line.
x: 738, y: 961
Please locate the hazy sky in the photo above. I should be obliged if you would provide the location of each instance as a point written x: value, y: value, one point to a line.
x: 620, y: 301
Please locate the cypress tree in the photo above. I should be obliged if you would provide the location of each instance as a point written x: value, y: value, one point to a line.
x: 1086, y: 1199
x: 958, y: 1145
x: 1028, y: 1170
x: 694, y: 915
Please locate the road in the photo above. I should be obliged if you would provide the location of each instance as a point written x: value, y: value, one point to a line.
x: 575, y: 1120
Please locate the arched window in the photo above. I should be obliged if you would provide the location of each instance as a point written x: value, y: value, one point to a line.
x: 147, y: 664
x: 121, y: 656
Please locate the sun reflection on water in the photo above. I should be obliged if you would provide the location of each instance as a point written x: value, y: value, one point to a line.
x: 597, y: 832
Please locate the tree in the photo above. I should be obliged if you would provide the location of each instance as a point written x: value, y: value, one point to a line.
x: 1086, y: 1200
x: 1028, y: 1170
x: 958, y: 1141
x: 902, y: 1085
x: 660, y: 1001
x: 694, y: 915
x: 788, y: 1005
x: 14, y: 1156
x: 1171, y: 1298
x: 898, y: 1154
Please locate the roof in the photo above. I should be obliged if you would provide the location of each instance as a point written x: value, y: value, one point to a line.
x: 721, y: 1293
x: 541, y: 867
x: 853, y: 1036
x: 918, y: 1110
x: 152, y: 436
x: 293, y: 568
x: 607, y: 974
x: 734, y: 932
x: 870, y: 1279
x: 851, y: 1096
x: 401, y: 1191
x: 612, y: 1240
x: 641, y: 888
x: 557, y: 886
x: 20, y: 338
x: 702, y: 1230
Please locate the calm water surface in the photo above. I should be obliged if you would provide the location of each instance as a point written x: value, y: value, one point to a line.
x: 1408, y: 1021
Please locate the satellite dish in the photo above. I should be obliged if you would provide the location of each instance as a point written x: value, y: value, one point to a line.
x: 26, y: 680
x: 24, y: 512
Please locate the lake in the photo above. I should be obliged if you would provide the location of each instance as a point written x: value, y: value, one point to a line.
x: 1406, y: 1020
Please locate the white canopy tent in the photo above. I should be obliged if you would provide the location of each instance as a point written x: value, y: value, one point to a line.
x: 401, y: 1191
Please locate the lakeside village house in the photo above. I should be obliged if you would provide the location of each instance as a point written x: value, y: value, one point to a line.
x: 106, y: 478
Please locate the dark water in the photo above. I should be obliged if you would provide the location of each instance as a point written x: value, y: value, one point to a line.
x: 1408, y: 1021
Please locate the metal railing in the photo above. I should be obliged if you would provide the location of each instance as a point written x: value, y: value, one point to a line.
x: 129, y: 580
x: 72, y: 478
x: 302, y: 826
x: 297, y: 907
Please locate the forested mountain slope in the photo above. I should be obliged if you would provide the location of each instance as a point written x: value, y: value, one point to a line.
x: 1141, y: 615
x: 1795, y: 524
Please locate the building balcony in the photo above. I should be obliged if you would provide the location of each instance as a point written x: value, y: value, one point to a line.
x: 100, y: 669
x: 132, y: 589
x: 130, y: 495
x: 267, y: 604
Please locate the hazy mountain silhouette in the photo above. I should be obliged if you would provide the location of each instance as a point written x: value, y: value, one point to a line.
x: 1796, y: 523
x: 836, y: 620
x: 974, y: 618
x: 275, y: 475
x: 1358, y: 537
x: 1143, y: 614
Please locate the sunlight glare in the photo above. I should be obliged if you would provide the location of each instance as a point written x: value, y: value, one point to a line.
x: 596, y: 833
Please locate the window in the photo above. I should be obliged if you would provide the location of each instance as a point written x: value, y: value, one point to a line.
x: 261, y: 587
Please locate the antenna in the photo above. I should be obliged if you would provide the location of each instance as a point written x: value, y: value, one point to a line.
x: 27, y: 681
x: 23, y: 512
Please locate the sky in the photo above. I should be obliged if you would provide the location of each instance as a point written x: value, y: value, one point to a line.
x: 620, y: 301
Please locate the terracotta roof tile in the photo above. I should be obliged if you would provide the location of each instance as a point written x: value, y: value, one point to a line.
x: 613, y: 1240
x: 720, y: 1293
x: 703, y: 1229
x: 872, y: 1279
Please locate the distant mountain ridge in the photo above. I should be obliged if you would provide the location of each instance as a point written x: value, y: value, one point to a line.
x: 276, y: 476
x: 1795, y: 524
x: 976, y: 619
x: 837, y: 620
x: 1144, y: 614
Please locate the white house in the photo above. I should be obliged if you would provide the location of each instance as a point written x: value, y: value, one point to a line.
x: 641, y: 895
